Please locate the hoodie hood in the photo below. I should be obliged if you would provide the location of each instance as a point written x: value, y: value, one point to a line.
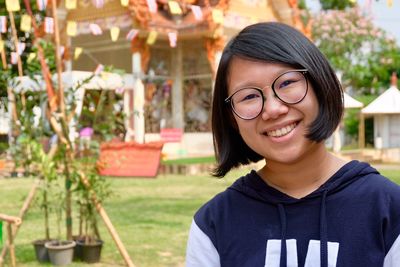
x: 253, y: 186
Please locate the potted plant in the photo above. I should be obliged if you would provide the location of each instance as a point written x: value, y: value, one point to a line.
x: 88, y: 242
x: 60, y: 251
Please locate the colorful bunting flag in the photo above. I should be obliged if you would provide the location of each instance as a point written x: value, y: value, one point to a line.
x: 132, y: 34
x: 390, y: 3
x: 152, y: 4
x: 99, y: 69
x: 124, y: 2
x: 119, y: 90
x: 41, y: 4
x: 72, y: 28
x: 78, y: 51
x: 62, y: 50
x: 49, y: 25
x: 151, y: 39
x: 95, y: 29
x: 26, y: 23
x: 218, y: 16
x: 174, y: 8
x: 21, y: 47
x: 173, y: 37
x: 198, y: 14
x: 12, y: 5
x: 3, y: 24
x: 14, y: 58
x: 98, y: 3
x: 31, y: 57
x: 70, y: 4
x: 114, y: 31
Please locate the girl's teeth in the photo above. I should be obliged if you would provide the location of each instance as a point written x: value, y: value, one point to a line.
x: 283, y: 131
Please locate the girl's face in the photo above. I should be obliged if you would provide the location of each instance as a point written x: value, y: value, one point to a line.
x: 278, y: 133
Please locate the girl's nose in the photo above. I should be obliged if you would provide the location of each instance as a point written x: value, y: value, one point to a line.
x: 273, y: 107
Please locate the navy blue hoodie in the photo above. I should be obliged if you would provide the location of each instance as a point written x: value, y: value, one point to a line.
x: 351, y: 220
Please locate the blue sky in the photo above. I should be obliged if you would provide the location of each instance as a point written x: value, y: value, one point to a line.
x: 385, y: 17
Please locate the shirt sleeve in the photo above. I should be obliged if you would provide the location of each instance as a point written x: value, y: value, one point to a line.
x: 200, y: 250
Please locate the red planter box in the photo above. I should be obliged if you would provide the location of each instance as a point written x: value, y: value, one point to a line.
x: 130, y: 159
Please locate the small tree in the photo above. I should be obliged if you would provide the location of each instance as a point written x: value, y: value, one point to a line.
x: 364, y: 53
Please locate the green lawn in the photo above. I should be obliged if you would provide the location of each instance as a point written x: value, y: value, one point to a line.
x: 152, y: 216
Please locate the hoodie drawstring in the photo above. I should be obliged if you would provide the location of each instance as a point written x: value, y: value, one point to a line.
x: 282, y: 217
x: 323, y: 231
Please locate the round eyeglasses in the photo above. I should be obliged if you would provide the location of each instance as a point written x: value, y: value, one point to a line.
x: 289, y: 87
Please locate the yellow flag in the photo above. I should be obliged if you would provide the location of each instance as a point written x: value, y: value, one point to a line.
x: 78, y: 52
x: 70, y: 4
x: 390, y: 3
x: 31, y: 57
x: 72, y: 28
x: 151, y: 39
x: 218, y: 16
x: 1, y: 46
x: 12, y: 5
x: 26, y: 23
x: 174, y: 8
x: 114, y: 31
x: 124, y: 2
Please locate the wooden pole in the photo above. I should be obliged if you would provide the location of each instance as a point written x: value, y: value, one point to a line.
x: 15, y: 39
x: 3, y: 56
x: 108, y: 223
x: 21, y: 214
x: 10, y: 244
x: 361, y: 131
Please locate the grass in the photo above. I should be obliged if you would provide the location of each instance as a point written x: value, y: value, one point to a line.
x: 151, y: 216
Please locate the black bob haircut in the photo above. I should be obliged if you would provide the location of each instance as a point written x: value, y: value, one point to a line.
x: 279, y: 43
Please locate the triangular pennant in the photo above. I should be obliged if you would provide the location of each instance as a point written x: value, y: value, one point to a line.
x: 390, y: 3
x: 26, y: 23
x: 31, y: 57
x: 197, y: 13
x: 49, y: 25
x: 12, y: 5
x: 132, y: 34
x: 78, y: 51
x: 62, y: 50
x: 114, y: 31
x: 174, y: 8
x: 124, y: 2
x: 72, y: 28
x: 151, y: 39
x: 41, y: 4
x: 99, y: 69
x: 14, y: 58
x: 218, y: 16
x: 172, y: 37
x: 21, y: 48
x: 152, y: 5
x: 95, y: 29
x: 3, y: 24
x: 98, y: 3
x: 70, y: 4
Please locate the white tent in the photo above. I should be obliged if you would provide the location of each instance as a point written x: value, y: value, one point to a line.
x: 350, y: 102
x: 386, y: 113
x: 103, y: 81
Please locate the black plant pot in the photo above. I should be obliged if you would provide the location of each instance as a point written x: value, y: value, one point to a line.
x: 91, y: 252
x: 41, y: 252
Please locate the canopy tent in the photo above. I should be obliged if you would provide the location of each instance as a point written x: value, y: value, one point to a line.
x: 350, y: 102
x: 385, y: 110
x: 85, y: 80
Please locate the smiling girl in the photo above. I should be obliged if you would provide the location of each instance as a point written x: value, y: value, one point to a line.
x: 277, y: 98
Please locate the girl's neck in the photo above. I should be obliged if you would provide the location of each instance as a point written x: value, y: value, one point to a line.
x: 300, y: 178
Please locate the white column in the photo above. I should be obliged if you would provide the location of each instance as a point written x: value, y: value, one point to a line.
x: 177, y: 88
x: 138, y: 99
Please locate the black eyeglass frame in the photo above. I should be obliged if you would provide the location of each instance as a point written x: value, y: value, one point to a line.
x: 302, y: 71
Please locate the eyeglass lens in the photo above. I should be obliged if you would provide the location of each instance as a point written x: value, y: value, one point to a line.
x: 290, y: 87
